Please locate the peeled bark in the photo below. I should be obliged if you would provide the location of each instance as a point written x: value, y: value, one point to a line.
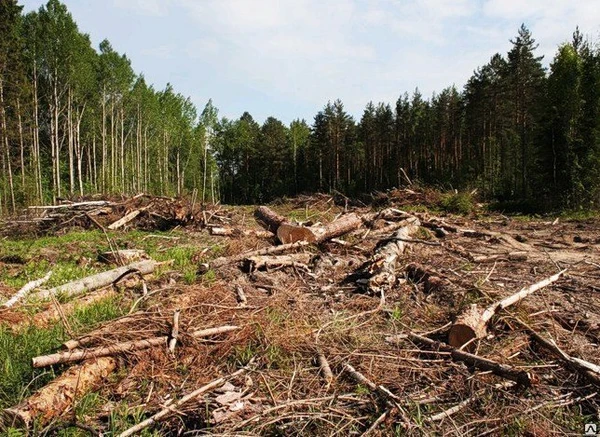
x: 59, y: 396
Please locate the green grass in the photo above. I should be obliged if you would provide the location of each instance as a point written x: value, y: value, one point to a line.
x: 458, y: 203
x: 18, y: 379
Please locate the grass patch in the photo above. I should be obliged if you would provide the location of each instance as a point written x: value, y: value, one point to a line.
x: 458, y: 203
x: 18, y: 378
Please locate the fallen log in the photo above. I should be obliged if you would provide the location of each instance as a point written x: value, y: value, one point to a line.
x: 222, y: 261
x: 325, y: 368
x: 99, y: 280
x: 234, y: 232
x: 472, y: 324
x: 519, y: 376
x: 343, y: 225
x: 125, y: 219
x: 382, y: 266
x: 288, y: 233
x: 93, y: 203
x: 27, y: 288
x: 128, y: 346
x: 268, y: 218
x: 269, y: 262
x: 58, y: 396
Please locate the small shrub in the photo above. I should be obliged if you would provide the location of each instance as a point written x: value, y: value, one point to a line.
x: 458, y: 203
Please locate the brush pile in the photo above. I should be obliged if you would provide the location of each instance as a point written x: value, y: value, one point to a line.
x: 371, y: 322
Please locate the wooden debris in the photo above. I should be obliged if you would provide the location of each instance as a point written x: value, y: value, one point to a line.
x: 240, y: 295
x: 173, y: 408
x: 235, y: 232
x: 271, y: 262
x: 125, y: 219
x: 223, y: 261
x: 472, y: 324
x: 519, y: 376
x: 59, y: 396
x: 343, y: 225
x: 288, y: 233
x: 382, y: 266
x: 27, y: 288
x: 128, y: 346
x: 589, y: 370
x: 379, y: 389
x: 99, y: 280
x: 174, y: 331
x: 325, y: 368
x: 268, y: 218
x: 512, y: 256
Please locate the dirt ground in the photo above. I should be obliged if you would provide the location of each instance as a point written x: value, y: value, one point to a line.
x: 295, y: 316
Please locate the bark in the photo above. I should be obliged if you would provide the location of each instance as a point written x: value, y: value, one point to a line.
x: 472, y: 325
x: 287, y: 233
x: 220, y: 262
x: 268, y: 218
x: 345, y: 224
x: 30, y: 286
x: 60, y: 395
x: 99, y: 280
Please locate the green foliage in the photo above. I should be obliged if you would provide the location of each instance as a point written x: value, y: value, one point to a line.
x: 458, y: 203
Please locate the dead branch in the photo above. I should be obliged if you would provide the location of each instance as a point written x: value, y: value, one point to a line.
x: 472, y: 324
x: 58, y: 396
x: 519, y: 376
x: 269, y: 262
x: 99, y: 280
x: 125, y: 219
x: 27, y: 288
x: 128, y: 346
x: 325, y: 368
x: 590, y: 370
x: 362, y: 379
x: 174, y: 331
x: 511, y: 256
x: 175, y: 406
x: 235, y: 232
x: 433, y: 281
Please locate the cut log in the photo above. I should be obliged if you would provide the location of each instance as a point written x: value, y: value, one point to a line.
x: 268, y: 218
x: 288, y: 233
x: 125, y: 219
x: 519, y: 376
x: 128, y: 346
x: 27, y: 288
x: 325, y: 368
x: 382, y: 266
x: 99, y: 280
x: 472, y: 324
x: 269, y: 262
x: 59, y: 396
x: 343, y: 225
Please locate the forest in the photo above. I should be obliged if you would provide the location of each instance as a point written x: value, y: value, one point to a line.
x: 76, y: 121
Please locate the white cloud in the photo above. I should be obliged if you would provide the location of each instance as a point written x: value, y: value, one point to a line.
x: 144, y: 7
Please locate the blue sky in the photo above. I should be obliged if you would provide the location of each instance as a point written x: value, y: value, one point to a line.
x: 287, y: 58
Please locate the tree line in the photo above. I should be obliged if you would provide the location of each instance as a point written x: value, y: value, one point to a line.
x: 75, y: 120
